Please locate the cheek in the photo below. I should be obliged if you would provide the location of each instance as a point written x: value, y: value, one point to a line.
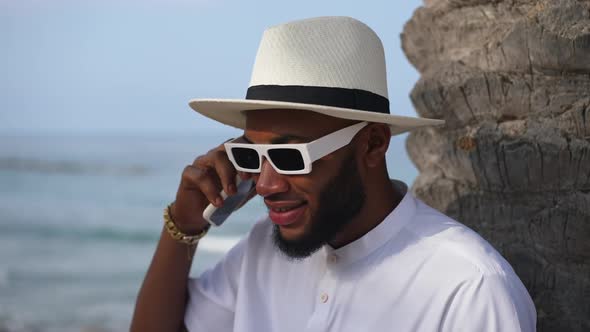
x: 309, y: 187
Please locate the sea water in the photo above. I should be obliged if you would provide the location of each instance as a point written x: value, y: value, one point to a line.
x: 80, y: 216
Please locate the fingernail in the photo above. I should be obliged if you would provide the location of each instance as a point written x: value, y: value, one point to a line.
x: 218, y: 201
x: 232, y: 188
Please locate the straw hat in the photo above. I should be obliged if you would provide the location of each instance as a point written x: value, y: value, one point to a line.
x: 329, y: 65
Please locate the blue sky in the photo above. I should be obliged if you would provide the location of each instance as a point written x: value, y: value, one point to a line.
x: 131, y: 66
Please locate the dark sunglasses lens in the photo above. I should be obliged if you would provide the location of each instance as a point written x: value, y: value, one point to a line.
x: 287, y: 159
x: 246, y: 158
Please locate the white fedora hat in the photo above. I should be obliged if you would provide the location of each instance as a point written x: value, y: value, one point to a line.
x: 329, y: 65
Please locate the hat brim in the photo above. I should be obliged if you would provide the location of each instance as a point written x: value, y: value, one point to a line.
x: 232, y: 112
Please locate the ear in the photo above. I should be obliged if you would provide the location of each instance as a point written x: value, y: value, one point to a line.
x: 377, y: 137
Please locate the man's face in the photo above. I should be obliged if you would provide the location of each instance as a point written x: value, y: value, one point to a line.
x: 308, y: 210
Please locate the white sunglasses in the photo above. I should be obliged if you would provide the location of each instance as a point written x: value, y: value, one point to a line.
x: 289, y: 159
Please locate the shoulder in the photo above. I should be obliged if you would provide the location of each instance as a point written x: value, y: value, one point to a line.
x: 261, y: 231
x: 479, y: 282
x: 257, y: 244
x: 254, y: 240
x: 455, y: 243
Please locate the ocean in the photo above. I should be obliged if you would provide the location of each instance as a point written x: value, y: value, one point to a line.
x: 80, y: 216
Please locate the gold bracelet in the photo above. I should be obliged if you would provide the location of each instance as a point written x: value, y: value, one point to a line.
x: 190, y: 240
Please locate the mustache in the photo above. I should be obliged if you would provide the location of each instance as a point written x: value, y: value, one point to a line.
x: 278, y: 197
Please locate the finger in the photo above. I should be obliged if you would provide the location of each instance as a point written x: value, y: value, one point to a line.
x: 190, y: 177
x: 226, y: 171
x: 210, y: 186
x: 217, y: 159
x: 202, y: 162
x: 205, y: 181
x: 244, y: 175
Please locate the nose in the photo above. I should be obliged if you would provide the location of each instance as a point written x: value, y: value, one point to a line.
x: 270, y: 182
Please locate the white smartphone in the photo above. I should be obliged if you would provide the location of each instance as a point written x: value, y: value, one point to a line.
x: 217, y: 216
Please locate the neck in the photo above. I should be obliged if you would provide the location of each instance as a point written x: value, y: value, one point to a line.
x: 381, y: 199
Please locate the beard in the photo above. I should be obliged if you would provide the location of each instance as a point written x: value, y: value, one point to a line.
x: 339, y: 202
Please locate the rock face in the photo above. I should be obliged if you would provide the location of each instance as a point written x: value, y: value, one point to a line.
x: 512, y: 81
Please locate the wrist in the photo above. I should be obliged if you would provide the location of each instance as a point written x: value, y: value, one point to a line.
x: 180, y: 235
x: 192, y: 230
x: 188, y: 229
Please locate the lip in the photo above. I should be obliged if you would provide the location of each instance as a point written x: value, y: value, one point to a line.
x: 288, y: 217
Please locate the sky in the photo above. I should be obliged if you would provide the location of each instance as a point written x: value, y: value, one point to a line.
x: 131, y: 66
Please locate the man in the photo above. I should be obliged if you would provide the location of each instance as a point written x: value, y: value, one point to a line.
x: 343, y: 248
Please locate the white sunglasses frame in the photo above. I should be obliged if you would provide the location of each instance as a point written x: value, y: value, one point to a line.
x: 310, y: 152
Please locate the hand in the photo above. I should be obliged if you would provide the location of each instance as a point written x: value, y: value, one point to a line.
x: 200, y: 185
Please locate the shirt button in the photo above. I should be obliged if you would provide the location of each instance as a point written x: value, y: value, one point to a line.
x: 324, y: 298
x: 333, y: 258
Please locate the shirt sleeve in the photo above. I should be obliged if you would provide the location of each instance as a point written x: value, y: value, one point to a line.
x: 212, y: 296
x: 491, y: 303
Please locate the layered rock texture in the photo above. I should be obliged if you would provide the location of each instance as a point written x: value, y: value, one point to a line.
x: 512, y: 81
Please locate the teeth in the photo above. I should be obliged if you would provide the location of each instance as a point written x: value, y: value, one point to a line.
x: 283, y: 209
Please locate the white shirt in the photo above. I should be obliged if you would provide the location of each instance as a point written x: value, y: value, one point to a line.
x: 418, y: 270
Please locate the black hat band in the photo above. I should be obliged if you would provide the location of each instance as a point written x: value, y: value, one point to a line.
x: 327, y: 96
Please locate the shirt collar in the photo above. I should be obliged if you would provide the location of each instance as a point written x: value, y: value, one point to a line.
x: 379, y: 235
